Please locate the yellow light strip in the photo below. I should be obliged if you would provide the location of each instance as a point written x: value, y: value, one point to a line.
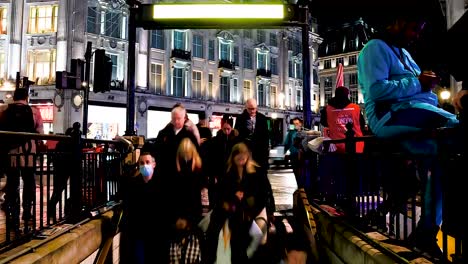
x: 219, y: 11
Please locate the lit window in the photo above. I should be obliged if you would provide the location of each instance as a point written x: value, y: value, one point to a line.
x: 211, y: 50
x: 197, y: 46
x: 3, y: 20
x: 261, y: 36
x: 247, y: 58
x: 274, y: 67
x: 224, y: 50
x: 298, y: 97
x: 178, y: 81
x: 41, y: 66
x: 224, y: 89
x: 196, y: 85
x: 113, y: 24
x: 273, y: 96
x: 157, y: 39
x: 262, y: 60
x: 210, y: 86
x: 43, y: 19
x: 179, y: 40
x: 261, y: 94
x: 246, y: 91
x: 235, y: 96
x: 156, y: 78
x: 2, y: 66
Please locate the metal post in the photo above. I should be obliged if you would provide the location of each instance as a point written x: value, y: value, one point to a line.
x: 88, y: 55
x: 130, y: 129
x: 306, y: 69
x: 18, y: 77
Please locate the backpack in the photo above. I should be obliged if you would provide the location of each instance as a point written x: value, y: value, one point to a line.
x: 17, y: 118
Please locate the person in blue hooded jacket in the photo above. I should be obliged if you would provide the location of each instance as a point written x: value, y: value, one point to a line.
x: 399, y: 102
x: 398, y: 96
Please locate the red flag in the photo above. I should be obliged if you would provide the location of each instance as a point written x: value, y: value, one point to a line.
x: 339, y: 76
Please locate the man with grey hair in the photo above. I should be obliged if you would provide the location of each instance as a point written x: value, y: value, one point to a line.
x: 165, y: 152
x: 253, y: 130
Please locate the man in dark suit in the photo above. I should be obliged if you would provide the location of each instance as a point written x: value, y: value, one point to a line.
x: 253, y: 130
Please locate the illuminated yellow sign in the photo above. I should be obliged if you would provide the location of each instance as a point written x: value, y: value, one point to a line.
x: 218, y: 11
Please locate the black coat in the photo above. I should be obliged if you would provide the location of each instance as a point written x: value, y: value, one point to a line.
x: 259, y: 142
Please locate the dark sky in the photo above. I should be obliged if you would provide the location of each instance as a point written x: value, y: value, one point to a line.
x: 429, y: 52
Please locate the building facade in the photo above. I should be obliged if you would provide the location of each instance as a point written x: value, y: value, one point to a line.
x: 342, y: 45
x: 211, y: 71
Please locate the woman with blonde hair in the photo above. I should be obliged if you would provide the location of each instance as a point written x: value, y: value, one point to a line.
x: 238, y: 223
x: 186, y: 207
x: 187, y: 151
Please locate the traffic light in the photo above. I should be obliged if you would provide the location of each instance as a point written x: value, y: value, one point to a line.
x: 102, y: 71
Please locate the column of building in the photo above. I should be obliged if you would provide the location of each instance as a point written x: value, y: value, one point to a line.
x: 15, y: 38
x: 455, y: 9
x: 142, y: 66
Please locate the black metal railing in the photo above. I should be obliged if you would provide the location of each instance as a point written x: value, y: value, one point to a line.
x: 381, y: 188
x: 181, y: 54
x: 226, y: 64
x: 263, y: 72
x: 45, y: 187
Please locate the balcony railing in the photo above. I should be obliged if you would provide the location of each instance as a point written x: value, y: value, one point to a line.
x: 181, y: 54
x: 263, y: 73
x: 226, y: 64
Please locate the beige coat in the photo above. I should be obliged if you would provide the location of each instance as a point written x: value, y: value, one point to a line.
x: 38, y: 125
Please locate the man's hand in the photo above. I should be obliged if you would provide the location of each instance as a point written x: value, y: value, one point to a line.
x: 428, y: 80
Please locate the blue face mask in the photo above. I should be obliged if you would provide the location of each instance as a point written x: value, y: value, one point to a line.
x: 146, y: 170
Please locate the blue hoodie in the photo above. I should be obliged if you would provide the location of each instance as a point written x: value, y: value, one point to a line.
x: 384, y: 78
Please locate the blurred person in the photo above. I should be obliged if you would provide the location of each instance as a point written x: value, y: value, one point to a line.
x: 293, y: 144
x: 203, y: 128
x: 238, y: 224
x: 399, y: 101
x: 19, y: 116
x: 457, y: 100
x: 338, y: 113
x: 254, y: 132
x: 219, y: 149
x: 61, y: 173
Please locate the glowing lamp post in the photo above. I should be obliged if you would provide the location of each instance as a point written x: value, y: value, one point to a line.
x: 445, y: 95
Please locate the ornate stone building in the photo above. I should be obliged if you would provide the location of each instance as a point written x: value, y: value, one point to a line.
x: 212, y: 71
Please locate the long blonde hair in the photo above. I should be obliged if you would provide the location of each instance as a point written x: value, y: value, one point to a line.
x: 188, y: 151
x: 241, y: 148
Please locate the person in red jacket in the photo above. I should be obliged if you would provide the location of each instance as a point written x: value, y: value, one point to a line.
x: 339, y: 112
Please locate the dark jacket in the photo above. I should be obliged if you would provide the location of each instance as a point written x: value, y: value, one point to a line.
x: 259, y: 141
x: 219, y: 150
x: 165, y: 148
x: 240, y: 219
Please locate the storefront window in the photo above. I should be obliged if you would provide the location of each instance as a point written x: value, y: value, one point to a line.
x: 106, y: 122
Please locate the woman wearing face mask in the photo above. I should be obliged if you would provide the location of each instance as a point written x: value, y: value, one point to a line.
x: 139, y: 227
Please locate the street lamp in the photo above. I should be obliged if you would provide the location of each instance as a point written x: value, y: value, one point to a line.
x: 445, y: 94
